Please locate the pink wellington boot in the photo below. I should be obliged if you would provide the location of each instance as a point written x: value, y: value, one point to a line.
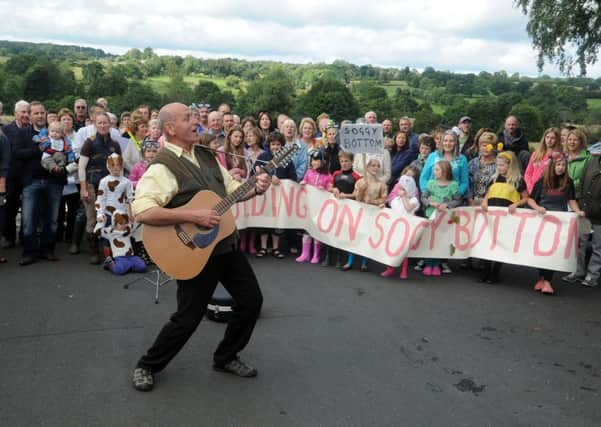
x: 436, y: 271
x: 540, y: 284
x: 243, y: 239
x: 547, y: 288
x: 316, y: 247
x: 388, y: 272
x: 305, y: 255
x: 404, y: 266
x: 251, y: 243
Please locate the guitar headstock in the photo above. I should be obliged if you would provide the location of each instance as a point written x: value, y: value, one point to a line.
x: 281, y: 158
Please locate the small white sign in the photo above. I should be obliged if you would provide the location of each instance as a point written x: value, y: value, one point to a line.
x: 362, y: 138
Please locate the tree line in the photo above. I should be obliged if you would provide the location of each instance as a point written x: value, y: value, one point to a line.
x: 435, y: 98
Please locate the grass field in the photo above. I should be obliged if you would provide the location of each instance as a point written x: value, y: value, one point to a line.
x: 594, y: 103
x: 159, y: 83
x: 392, y: 86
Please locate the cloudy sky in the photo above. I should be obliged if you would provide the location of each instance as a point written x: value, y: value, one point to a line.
x: 456, y: 35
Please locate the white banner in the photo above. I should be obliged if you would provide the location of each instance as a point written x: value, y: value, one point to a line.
x: 524, y: 238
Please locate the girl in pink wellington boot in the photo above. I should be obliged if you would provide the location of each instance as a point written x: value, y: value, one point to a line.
x: 317, y: 176
x: 441, y: 194
x: 554, y: 191
x: 403, y: 199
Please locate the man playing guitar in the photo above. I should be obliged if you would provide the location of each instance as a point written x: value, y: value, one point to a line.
x: 179, y: 171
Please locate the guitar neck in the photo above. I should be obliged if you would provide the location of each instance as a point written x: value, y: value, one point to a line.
x: 269, y: 168
x: 226, y: 203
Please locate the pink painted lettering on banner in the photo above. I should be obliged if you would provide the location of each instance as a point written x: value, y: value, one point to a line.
x: 375, y: 243
x: 287, y: 198
x: 415, y: 243
x: 479, y: 213
x: 392, y: 233
x: 434, y: 224
x: 462, y: 229
x: 572, y: 240
x: 301, y: 208
x: 346, y: 217
x: 256, y: 202
x: 495, y: 230
x: 547, y: 219
x: 524, y: 216
x: 334, y: 212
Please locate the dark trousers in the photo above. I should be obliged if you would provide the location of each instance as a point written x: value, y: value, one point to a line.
x: 65, y: 231
x: 545, y: 274
x: 41, y: 201
x: 2, y: 216
x: 13, y: 203
x: 492, y: 268
x: 236, y: 275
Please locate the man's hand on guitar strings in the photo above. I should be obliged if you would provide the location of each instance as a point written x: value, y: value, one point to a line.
x: 207, y: 218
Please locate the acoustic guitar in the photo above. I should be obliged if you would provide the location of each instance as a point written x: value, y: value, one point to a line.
x: 182, y: 250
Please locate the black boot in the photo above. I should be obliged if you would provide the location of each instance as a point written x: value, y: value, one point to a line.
x: 337, y: 254
x: 494, y: 274
x: 78, y: 231
x: 327, y: 256
x: 94, y: 248
x: 486, y: 273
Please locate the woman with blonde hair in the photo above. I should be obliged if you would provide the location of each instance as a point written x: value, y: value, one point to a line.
x: 136, y: 133
x: 577, y: 156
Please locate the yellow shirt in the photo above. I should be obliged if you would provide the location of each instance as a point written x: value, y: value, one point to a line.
x: 158, y: 185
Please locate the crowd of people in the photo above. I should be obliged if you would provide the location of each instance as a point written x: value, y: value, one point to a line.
x: 72, y: 174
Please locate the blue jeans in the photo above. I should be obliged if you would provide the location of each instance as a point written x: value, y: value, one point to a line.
x: 41, y: 202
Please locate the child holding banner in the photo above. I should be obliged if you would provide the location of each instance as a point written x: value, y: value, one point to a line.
x: 318, y: 176
x: 440, y: 194
x: 405, y: 200
x: 449, y: 151
x: 553, y: 192
x: 342, y: 187
x: 275, y: 141
x: 370, y: 190
x: 506, y: 188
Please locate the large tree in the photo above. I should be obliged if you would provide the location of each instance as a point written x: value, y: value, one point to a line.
x: 567, y: 32
x: 274, y: 93
x: 330, y: 96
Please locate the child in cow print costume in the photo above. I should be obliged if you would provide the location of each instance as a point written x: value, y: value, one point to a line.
x: 114, y: 191
x: 119, y: 236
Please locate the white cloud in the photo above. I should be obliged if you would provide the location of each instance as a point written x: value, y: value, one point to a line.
x: 460, y: 35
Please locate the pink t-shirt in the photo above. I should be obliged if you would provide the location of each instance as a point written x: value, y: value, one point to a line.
x: 316, y: 179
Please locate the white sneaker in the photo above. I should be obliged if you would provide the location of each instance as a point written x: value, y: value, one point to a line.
x: 589, y: 282
x: 419, y: 266
x: 444, y: 267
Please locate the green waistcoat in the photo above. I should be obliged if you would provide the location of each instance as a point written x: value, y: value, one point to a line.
x: 192, y: 179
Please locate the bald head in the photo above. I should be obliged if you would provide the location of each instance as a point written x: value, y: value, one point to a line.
x: 166, y: 114
x: 176, y: 123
